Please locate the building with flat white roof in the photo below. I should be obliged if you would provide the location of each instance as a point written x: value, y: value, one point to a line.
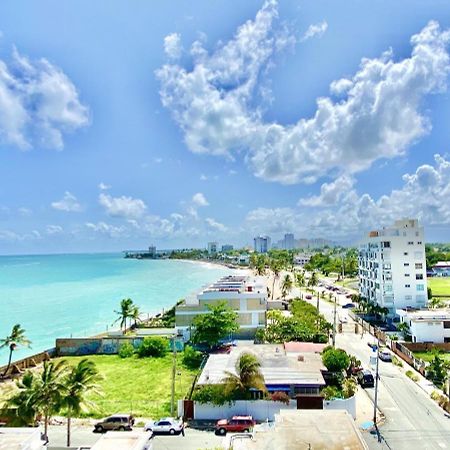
x: 21, y: 439
x: 294, y: 372
x: 261, y: 244
x: 392, y: 266
x: 429, y: 325
x: 246, y: 295
x: 118, y: 440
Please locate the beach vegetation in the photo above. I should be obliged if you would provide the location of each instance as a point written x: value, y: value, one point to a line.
x: 15, y: 339
x: 156, y: 347
x: 126, y: 350
x: 192, y: 358
x: 219, y: 323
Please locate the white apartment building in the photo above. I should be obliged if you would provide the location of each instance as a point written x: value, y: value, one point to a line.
x: 212, y: 247
x: 246, y: 295
x: 261, y: 244
x: 392, y: 266
x: 301, y: 259
x: 432, y: 325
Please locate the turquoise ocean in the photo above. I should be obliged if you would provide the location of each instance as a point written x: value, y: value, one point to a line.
x: 55, y: 296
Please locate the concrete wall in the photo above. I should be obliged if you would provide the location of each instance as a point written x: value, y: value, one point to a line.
x: 27, y: 363
x: 348, y: 404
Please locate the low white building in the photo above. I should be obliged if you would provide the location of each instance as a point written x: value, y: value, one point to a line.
x: 442, y: 269
x: 301, y: 259
x: 118, y: 440
x: 431, y: 325
x: 21, y: 439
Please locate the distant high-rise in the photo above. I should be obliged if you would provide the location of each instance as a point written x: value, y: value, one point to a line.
x: 261, y: 244
x: 392, y: 266
x: 289, y: 241
x: 227, y: 248
x: 212, y: 247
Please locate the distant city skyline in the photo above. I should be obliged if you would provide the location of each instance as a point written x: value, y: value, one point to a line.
x: 181, y: 123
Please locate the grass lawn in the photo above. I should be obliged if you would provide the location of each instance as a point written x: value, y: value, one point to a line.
x: 141, y: 386
x: 428, y: 356
x: 351, y: 283
x: 439, y: 285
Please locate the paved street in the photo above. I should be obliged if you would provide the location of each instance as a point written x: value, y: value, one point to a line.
x: 412, y: 419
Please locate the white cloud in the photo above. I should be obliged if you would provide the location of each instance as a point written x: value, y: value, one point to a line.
x: 68, y: 203
x: 216, y: 226
x: 54, y: 229
x: 330, y: 193
x: 199, y: 199
x: 315, y: 30
x: 377, y: 115
x: 104, y: 187
x: 38, y: 104
x: 106, y: 229
x: 25, y: 212
x: 123, y: 206
x: 172, y: 45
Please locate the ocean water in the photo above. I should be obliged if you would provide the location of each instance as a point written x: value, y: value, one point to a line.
x: 75, y: 295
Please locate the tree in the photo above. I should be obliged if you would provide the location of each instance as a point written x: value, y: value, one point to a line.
x: 16, y: 338
x: 126, y: 311
x: 48, y: 390
x: 275, y: 267
x: 248, y: 376
x: 403, y: 327
x: 437, y: 371
x: 217, y: 324
x: 286, y: 286
x: 80, y: 381
x: 155, y: 346
x: 313, y: 280
x: 349, y: 387
x: 300, y: 279
x: 335, y: 359
x: 135, y: 314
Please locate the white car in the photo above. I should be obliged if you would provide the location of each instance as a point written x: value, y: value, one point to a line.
x: 167, y: 425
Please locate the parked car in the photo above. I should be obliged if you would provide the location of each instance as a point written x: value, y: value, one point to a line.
x: 365, y: 378
x: 385, y: 355
x: 348, y: 305
x: 308, y: 296
x: 236, y: 423
x: 117, y: 422
x: 167, y: 425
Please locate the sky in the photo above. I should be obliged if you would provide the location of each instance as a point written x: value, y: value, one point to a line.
x: 177, y: 123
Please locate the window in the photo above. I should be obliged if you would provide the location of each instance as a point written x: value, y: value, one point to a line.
x: 446, y: 323
x: 418, y: 255
x: 406, y: 274
x: 406, y: 264
x: 419, y: 242
x: 408, y: 297
x: 419, y: 276
x: 407, y: 285
x: 386, y: 266
x: 420, y: 287
x: 419, y: 266
x: 410, y: 243
x: 386, y: 244
x: 405, y: 253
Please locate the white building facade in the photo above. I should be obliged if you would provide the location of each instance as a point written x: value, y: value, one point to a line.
x: 431, y: 325
x: 212, y: 247
x: 261, y: 244
x: 392, y: 266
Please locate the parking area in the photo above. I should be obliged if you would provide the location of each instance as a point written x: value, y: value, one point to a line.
x: 83, y: 436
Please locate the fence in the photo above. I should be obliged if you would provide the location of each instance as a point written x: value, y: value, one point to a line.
x: 408, y: 356
x: 17, y: 367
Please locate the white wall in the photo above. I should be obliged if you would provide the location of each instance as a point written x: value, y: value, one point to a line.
x: 349, y: 404
x: 427, y: 331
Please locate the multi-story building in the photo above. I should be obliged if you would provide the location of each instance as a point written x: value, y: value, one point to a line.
x: 289, y: 241
x: 392, y: 266
x: 246, y: 295
x: 212, y: 247
x: 431, y: 325
x: 261, y: 244
x: 227, y: 248
x: 301, y: 259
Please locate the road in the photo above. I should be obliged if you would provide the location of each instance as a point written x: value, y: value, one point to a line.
x: 412, y: 420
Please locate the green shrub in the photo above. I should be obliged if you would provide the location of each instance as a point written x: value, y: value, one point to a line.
x: 396, y: 361
x: 435, y: 395
x: 126, y: 350
x: 331, y: 392
x: 192, y: 358
x: 212, y: 393
x: 412, y: 375
x: 280, y: 396
x: 153, y: 346
x: 335, y: 359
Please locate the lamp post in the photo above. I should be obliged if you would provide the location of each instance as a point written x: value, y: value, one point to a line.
x: 376, y: 388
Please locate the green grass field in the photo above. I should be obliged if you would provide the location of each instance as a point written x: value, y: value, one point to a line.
x: 141, y: 386
x: 428, y: 356
x: 439, y: 285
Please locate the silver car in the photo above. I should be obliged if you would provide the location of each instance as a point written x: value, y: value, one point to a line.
x: 167, y: 425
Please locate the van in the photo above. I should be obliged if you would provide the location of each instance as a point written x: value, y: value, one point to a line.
x: 117, y: 422
x: 365, y: 378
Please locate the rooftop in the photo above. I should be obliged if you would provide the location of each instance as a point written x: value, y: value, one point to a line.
x: 17, y: 438
x: 114, y: 440
x: 426, y: 315
x: 303, y: 429
x: 277, y: 367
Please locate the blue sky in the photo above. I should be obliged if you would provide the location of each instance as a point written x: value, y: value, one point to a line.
x: 176, y: 123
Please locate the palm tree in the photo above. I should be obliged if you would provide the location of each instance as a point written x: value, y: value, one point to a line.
x: 313, y: 280
x: 135, y: 315
x: 248, y: 376
x: 126, y: 310
x: 48, y: 390
x: 79, y: 382
x: 286, y: 286
x: 16, y: 338
x: 275, y: 267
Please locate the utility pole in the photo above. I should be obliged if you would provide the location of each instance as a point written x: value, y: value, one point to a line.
x: 174, y: 372
x: 334, y: 323
x: 376, y: 389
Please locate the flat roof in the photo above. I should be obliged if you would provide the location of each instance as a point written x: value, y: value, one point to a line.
x: 319, y: 429
x: 426, y: 315
x: 16, y: 438
x: 115, y: 440
x: 277, y: 367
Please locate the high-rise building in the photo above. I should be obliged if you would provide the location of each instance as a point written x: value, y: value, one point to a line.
x: 227, y: 248
x: 212, y: 247
x: 261, y: 244
x: 392, y: 266
x: 289, y: 241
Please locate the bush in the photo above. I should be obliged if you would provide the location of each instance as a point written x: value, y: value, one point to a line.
x: 126, y: 350
x: 280, y: 397
x: 410, y: 374
x: 192, y: 358
x: 331, y: 392
x: 396, y: 361
x: 153, y: 346
x: 335, y: 359
x: 210, y: 393
x: 435, y: 395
